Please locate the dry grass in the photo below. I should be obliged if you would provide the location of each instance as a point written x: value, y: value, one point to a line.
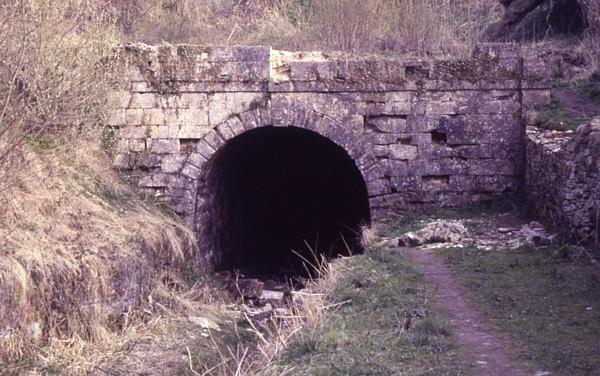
x: 55, y: 73
x: 76, y: 246
x: 592, y: 9
x: 270, y: 338
x: 378, y: 26
x: 86, y: 266
x: 421, y: 27
x: 591, y: 41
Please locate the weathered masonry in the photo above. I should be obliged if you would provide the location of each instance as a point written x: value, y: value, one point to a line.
x: 250, y: 143
x: 563, y: 181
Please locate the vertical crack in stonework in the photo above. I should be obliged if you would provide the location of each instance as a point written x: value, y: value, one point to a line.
x: 276, y: 195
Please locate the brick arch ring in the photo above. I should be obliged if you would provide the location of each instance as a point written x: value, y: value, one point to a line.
x: 346, y: 133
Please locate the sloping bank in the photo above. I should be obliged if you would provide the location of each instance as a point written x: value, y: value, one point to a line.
x: 78, y: 249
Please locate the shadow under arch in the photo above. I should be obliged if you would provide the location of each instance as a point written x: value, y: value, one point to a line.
x: 274, y: 196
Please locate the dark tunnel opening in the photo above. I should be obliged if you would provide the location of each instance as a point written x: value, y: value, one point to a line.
x: 281, y: 196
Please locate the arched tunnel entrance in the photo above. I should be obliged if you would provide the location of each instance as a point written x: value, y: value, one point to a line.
x: 278, y: 195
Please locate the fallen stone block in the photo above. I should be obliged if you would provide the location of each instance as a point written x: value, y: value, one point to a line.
x: 273, y: 297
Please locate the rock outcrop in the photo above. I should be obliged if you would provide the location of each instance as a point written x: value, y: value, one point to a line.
x: 529, y: 19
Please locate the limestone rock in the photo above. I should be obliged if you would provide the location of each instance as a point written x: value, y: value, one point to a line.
x: 273, y: 297
x: 506, y: 230
x: 203, y: 322
x: 260, y: 313
x: 525, y: 19
x: 281, y: 312
x: 440, y: 231
x: 421, y: 132
x: 562, y: 180
x: 534, y: 233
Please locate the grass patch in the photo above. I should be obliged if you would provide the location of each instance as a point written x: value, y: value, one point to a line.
x: 547, y: 304
x: 221, y: 353
x: 381, y: 322
x: 559, y: 115
x: 556, y: 116
x: 590, y: 88
x: 77, y: 247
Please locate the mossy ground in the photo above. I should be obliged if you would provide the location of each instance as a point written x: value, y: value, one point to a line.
x: 548, y: 305
x: 578, y: 105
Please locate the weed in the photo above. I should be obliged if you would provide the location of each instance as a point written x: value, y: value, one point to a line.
x: 556, y: 116
x: 590, y: 88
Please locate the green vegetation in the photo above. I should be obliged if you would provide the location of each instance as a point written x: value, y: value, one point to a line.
x: 381, y: 322
x: 590, y: 88
x: 557, y: 116
x: 547, y: 304
x: 578, y: 107
x: 67, y: 218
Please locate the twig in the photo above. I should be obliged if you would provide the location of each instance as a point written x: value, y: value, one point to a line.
x: 241, y: 361
x: 190, y: 361
x: 231, y: 34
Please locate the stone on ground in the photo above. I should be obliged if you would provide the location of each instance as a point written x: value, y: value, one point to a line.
x: 439, y: 231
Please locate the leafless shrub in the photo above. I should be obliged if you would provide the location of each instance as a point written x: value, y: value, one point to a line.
x: 379, y: 26
x: 591, y: 40
x: 54, y: 56
x: 73, y: 238
x: 347, y: 25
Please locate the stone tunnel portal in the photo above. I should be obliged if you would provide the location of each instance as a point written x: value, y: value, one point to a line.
x: 281, y: 194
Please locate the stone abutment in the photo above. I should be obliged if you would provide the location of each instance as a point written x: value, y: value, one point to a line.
x: 262, y: 150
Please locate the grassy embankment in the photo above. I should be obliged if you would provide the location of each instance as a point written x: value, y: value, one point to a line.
x: 546, y: 300
x: 379, y: 320
x: 547, y: 304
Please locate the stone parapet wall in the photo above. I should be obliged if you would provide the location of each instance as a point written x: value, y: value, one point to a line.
x: 563, y: 180
x: 421, y: 132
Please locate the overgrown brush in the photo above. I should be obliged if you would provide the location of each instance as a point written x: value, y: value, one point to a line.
x: 260, y: 353
x: 421, y: 27
x: 591, y: 42
x: 77, y: 246
x: 592, y: 11
x: 56, y: 70
x: 426, y: 27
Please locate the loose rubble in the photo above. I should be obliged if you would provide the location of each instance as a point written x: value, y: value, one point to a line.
x: 260, y: 299
x: 439, y: 231
x: 204, y: 323
x: 487, y: 233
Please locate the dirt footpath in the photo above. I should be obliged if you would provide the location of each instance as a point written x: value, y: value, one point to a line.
x: 489, y: 351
